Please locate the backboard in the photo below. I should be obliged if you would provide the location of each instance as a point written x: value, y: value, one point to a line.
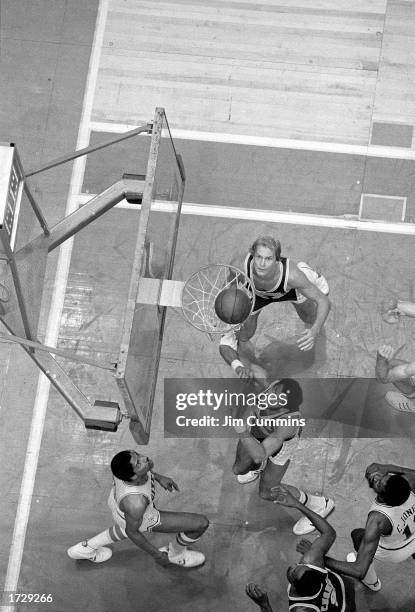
x: 138, y: 360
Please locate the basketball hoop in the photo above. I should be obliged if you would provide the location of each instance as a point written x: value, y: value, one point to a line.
x: 201, y: 290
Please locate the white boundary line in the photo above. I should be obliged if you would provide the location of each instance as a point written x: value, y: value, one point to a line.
x: 350, y: 222
x: 263, y: 141
x: 42, y: 394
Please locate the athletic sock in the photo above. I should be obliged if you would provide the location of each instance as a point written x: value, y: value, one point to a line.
x: 102, y: 539
x: 314, y: 502
x: 181, y: 542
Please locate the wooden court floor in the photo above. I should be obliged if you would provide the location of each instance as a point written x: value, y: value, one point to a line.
x: 292, y: 72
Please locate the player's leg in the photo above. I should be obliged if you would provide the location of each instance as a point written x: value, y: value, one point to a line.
x: 189, y: 528
x: 244, y: 467
x: 96, y: 549
x: 273, y: 475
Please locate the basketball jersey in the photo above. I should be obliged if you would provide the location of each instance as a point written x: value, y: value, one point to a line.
x: 121, y: 489
x: 279, y: 292
x: 331, y: 596
x: 402, y: 520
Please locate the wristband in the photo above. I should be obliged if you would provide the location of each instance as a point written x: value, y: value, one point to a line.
x: 236, y: 364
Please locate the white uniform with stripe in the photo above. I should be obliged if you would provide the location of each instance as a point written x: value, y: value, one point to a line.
x: 400, y: 544
x: 121, y: 489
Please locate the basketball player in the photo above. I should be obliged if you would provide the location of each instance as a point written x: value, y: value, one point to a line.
x: 398, y: 309
x: 389, y: 534
x: 277, y: 279
x: 311, y: 585
x: 131, y: 502
x: 264, y: 450
x: 401, y: 374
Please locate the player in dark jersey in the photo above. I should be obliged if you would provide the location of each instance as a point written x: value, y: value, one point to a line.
x: 311, y: 585
x: 277, y: 279
x: 269, y: 442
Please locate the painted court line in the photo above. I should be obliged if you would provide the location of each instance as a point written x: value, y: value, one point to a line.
x: 350, y: 222
x: 263, y: 141
x: 42, y: 394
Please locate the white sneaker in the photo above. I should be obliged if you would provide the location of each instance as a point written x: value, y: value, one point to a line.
x: 83, y: 551
x: 375, y: 586
x: 253, y: 474
x: 249, y: 476
x: 187, y: 558
x: 400, y: 402
x: 304, y: 525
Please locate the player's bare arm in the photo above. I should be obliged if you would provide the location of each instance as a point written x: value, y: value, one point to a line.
x: 134, y: 507
x: 166, y: 482
x: 390, y: 468
x: 377, y: 524
x: 316, y: 553
x: 298, y: 280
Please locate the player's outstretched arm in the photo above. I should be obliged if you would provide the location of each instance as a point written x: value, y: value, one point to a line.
x: 166, y: 482
x: 298, y: 280
x: 390, y: 468
x: 376, y: 525
x: 134, y: 507
x: 323, y: 543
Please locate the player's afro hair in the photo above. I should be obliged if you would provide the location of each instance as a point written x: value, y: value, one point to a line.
x: 396, y: 491
x: 121, y: 465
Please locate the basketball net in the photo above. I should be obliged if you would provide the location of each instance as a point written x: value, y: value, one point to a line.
x: 200, y: 292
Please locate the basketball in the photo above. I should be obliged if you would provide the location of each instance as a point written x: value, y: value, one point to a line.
x: 232, y: 305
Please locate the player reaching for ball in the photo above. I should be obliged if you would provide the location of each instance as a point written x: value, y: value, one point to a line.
x: 277, y: 279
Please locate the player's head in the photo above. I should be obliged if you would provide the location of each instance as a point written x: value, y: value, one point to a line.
x: 267, y: 242
x: 287, y: 389
x: 392, y: 489
x: 305, y: 580
x: 129, y: 465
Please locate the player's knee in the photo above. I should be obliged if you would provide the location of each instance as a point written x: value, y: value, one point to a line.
x: 203, y: 523
x: 236, y: 469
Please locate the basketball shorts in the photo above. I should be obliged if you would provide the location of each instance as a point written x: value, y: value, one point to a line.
x: 397, y: 555
x: 150, y: 520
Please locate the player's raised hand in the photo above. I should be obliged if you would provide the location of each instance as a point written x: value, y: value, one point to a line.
x: 167, y: 483
x: 281, y: 495
x: 307, y: 340
x: 386, y: 351
x: 244, y: 373
x: 303, y: 546
x: 376, y: 468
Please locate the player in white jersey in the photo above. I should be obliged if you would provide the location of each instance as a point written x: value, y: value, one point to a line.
x: 277, y: 279
x: 401, y: 374
x: 131, y: 502
x: 389, y: 534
